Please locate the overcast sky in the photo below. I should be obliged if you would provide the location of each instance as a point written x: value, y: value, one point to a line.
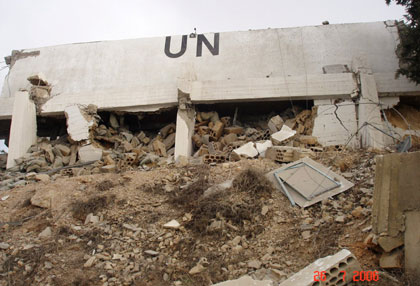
x: 33, y: 24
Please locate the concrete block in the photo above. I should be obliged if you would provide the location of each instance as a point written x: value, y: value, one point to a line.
x: 308, y: 140
x: 247, y: 150
x: 245, y: 281
x: 390, y: 260
x: 332, y: 265
x: 285, y: 133
x: 89, y: 153
x: 159, y: 148
x: 412, y: 243
x: 234, y: 129
x: 262, y: 147
x: 23, y: 128
x: 275, y: 124
x: 209, y: 158
x: 169, y: 141
x: 217, y: 130
x: 388, y: 243
x: 286, y: 154
x: 185, y: 120
x: 229, y: 138
x: 78, y: 126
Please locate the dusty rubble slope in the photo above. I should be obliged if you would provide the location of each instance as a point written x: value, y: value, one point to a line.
x: 107, y: 229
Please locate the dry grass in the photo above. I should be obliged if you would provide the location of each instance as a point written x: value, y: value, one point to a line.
x: 82, y: 208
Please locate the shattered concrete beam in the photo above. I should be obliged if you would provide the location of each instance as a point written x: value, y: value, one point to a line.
x: 23, y: 127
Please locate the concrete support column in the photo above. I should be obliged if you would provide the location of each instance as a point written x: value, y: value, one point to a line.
x: 23, y: 127
x: 185, y: 121
x: 369, y: 111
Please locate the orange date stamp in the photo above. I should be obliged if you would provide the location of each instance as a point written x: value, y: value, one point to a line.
x: 358, y: 276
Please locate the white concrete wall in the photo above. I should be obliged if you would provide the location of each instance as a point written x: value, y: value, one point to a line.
x: 23, y: 128
x: 136, y: 74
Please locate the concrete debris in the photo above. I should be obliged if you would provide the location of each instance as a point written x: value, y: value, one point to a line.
x: 390, y: 260
x: 90, y: 153
x: 287, y: 154
x: 245, y: 281
x: 247, y: 150
x: 173, y: 224
x: 262, y: 147
x: 45, y: 233
x: 4, y: 245
x: 79, y: 123
x: 275, y: 124
x: 343, y: 260
x: 285, y: 133
x: 307, y: 182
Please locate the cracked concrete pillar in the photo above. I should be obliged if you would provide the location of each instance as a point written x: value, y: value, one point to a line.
x: 185, y: 121
x: 370, y: 112
x: 23, y: 127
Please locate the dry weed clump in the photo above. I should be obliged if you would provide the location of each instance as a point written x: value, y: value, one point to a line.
x: 104, y: 185
x: 82, y: 208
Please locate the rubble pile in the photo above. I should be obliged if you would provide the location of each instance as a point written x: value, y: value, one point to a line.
x: 171, y: 227
x: 218, y: 140
x: 102, y: 148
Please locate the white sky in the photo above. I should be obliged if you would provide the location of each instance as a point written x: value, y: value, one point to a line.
x: 33, y: 24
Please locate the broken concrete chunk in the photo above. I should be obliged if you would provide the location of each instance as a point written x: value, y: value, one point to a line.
x: 285, y: 133
x: 168, y: 129
x: 389, y: 243
x: 392, y: 259
x: 90, y: 218
x: 173, y: 224
x: 45, y: 233
x: 217, y: 130
x: 62, y: 149
x: 169, y: 141
x: 275, y: 124
x: 78, y: 123
x: 234, y: 129
x: 308, y: 140
x: 38, y: 80
x: 245, y: 281
x: 42, y: 177
x: 286, y: 154
x: 151, y: 252
x: 333, y: 264
x: 247, y: 150
x: 262, y: 147
x: 159, y: 148
x: 89, y: 153
x: 113, y: 121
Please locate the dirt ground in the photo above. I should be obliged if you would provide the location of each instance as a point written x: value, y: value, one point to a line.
x: 107, y: 229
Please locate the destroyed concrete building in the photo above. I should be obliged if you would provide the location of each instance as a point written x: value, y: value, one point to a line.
x: 343, y: 74
x: 304, y: 101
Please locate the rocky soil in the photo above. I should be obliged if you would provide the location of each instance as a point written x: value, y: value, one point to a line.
x: 166, y: 226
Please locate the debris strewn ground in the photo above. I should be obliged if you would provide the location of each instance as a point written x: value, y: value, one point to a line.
x: 115, y: 208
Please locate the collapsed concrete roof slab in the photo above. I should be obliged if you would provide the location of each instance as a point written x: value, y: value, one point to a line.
x: 313, y: 86
x: 271, y: 64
